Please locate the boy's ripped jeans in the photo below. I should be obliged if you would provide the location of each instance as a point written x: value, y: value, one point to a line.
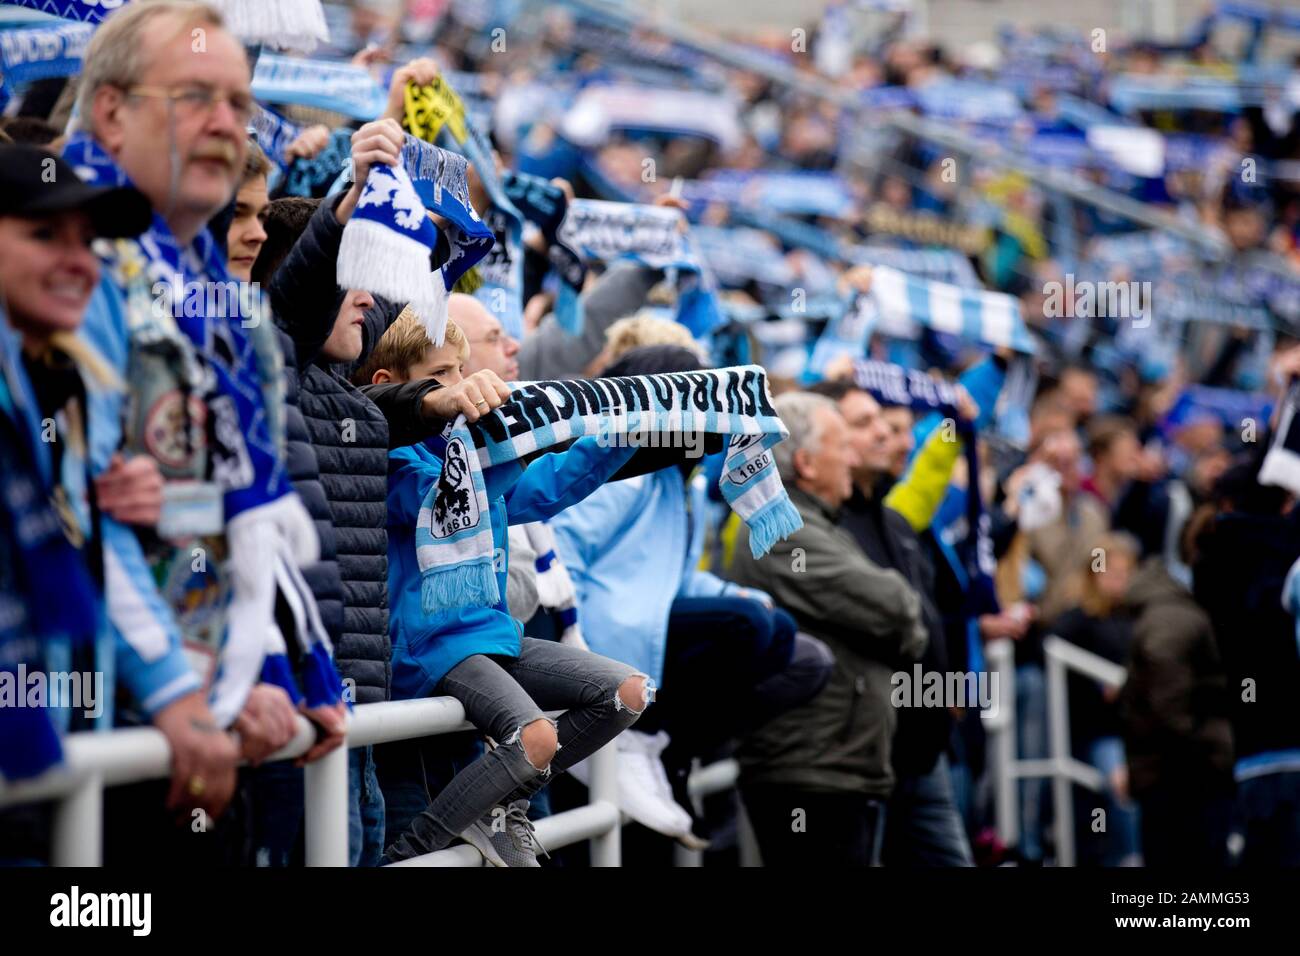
x: 504, y: 695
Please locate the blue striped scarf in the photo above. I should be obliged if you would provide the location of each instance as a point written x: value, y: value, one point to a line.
x: 453, y: 535
x: 652, y: 236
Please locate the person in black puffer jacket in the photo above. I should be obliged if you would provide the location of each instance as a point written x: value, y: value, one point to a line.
x: 350, y: 438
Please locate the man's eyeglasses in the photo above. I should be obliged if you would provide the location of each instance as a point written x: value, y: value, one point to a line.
x: 195, y: 99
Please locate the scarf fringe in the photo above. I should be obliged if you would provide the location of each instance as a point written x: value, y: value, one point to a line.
x: 296, y: 25
x: 472, y: 584
x: 324, y: 686
x: 778, y: 520
x: 276, y: 670
x: 376, y: 259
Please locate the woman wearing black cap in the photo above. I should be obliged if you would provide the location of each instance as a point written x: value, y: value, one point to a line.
x: 48, y: 504
x: 48, y: 220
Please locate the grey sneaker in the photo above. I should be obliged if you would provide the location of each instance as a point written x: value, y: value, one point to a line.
x: 506, y: 837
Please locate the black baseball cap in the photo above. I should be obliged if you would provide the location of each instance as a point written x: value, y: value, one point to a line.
x: 30, y: 186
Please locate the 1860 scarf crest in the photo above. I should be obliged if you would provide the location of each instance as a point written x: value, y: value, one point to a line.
x: 453, y: 536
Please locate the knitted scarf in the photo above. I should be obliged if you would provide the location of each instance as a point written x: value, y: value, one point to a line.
x: 239, y: 356
x: 47, y: 598
x: 453, y: 535
x: 653, y: 236
x: 555, y: 588
x: 388, y: 242
x: 286, y: 24
x: 41, y: 52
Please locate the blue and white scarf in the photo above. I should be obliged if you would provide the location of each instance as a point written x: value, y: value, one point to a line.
x: 892, y: 384
x: 545, y: 206
x: 285, y: 24
x: 243, y: 356
x: 87, y: 11
x: 36, y: 624
x: 653, y: 236
x: 900, y: 305
x: 315, y: 176
x: 274, y: 134
x: 322, y: 84
x: 37, y: 53
x: 389, y: 241
x: 453, y: 535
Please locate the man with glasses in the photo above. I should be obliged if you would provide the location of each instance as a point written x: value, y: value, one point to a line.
x: 163, y: 104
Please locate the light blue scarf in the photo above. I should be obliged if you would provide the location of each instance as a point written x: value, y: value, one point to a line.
x: 453, y: 535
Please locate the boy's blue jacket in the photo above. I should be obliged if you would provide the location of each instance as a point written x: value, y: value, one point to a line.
x: 426, y: 647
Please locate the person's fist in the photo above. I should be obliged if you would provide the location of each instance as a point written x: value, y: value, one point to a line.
x: 130, y: 490
x: 265, y: 724
x: 473, y: 397
x: 421, y: 72
x: 377, y: 143
x: 308, y: 143
x: 203, y: 757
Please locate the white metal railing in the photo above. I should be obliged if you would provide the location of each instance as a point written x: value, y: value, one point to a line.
x: 1060, y: 657
x: 94, y: 761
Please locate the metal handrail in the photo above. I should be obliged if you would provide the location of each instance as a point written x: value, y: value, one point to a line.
x: 1060, y: 766
x: 96, y: 760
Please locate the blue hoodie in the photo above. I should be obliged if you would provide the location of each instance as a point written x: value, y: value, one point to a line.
x: 427, y: 646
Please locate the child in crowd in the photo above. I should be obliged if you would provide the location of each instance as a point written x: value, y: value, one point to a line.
x: 476, y: 654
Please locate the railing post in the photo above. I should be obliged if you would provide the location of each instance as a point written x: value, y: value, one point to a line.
x: 78, y: 837
x: 326, y: 793
x: 606, y: 849
x: 1001, y: 729
x: 1058, y: 728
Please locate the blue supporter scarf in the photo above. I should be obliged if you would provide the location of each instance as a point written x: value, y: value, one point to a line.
x: 389, y: 241
x: 545, y: 206
x: 48, y: 601
x: 322, y: 84
x: 274, y: 134
x: 652, y: 236
x: 901, y: 305
x: 453, y: 534
x: 38, y: 53
x: 87, y: 11
x: 313, y: 177
x: 892, y: 384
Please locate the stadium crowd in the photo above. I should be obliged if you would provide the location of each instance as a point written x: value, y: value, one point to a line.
x: 894, y: 445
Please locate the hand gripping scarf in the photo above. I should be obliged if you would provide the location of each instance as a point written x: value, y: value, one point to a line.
x: 453, y: 535
x: 546, y: 205
x: 892, y: 384
x: 388, y: 242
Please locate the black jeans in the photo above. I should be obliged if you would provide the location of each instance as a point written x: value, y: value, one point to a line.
x: 1186, y: 826
x: 800, y: 828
